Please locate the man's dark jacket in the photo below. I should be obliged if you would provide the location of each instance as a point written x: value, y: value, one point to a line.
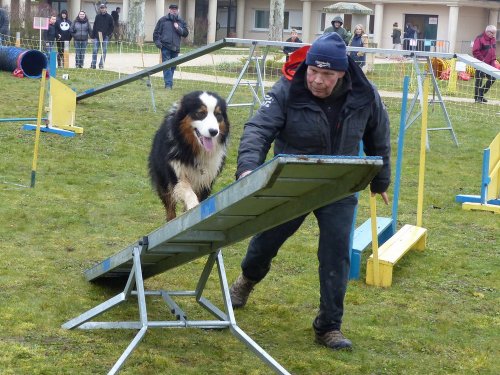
x: 4, y: 22
x: 292, y: 117
x: 166, y: 35
x: 104, y: 24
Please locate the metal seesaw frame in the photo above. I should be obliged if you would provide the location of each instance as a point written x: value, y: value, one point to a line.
x: 225, y: 319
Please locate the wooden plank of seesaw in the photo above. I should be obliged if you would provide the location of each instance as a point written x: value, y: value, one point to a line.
x: 283, y: 188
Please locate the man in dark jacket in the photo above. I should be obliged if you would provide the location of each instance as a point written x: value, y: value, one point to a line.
x: 116, y: 20
x: 336, y: 27
x: 50, y: 35
x: 167, y: 37
x: 396, y: 36
x: 4, y: 24
x: 484, y: 49
x: 327, y: 108
x: 294, y: 38
x: 101, y: 33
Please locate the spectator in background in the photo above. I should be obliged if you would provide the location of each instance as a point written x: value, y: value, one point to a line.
x: 4, y: 25
x: 336, y: 27
x: 103, y: 26
x: 116, y: 23
x: 396, y: 36
x: 81, y: 32
x: 294, y: 38
x: 359, y: 39
x: 49, y: 36
x: 63, y: 30
x: 484, y: 49
x: 408, y: 34
x: 167, y: 37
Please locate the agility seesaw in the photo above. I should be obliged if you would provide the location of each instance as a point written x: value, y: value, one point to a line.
x: 285, y: 187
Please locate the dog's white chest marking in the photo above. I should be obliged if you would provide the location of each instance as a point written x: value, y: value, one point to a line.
x: 204, y: 171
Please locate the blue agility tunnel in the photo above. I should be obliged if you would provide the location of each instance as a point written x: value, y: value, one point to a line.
x: 31, y: 62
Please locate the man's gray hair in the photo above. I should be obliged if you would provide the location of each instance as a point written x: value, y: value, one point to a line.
x: 491, y: 28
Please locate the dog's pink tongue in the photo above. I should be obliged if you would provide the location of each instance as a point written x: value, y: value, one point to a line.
x: 208, y: 143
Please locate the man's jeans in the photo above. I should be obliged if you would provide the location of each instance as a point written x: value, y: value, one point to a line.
x: 168, y: 74
x: 335, y: 224
x: 97, y: 44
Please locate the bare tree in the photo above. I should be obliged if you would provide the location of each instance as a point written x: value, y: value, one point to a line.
x: 135, y: 22
x: 276, y: 17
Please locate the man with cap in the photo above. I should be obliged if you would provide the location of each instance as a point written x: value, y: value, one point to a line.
x: 167, y: 37
x: 326, y: 108
x: 101, y: 33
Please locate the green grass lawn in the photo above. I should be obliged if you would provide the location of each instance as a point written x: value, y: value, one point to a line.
x: 93, y: 198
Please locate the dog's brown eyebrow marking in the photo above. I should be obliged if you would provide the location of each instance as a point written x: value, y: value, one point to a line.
x: 201, y: 113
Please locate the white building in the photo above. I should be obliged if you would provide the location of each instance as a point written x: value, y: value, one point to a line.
x: 455, y: 21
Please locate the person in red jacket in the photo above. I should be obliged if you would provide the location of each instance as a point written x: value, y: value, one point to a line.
x: 484, y: 49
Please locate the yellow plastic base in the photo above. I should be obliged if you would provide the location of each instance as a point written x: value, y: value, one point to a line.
x: 481, y: 207
x: 76, y: 129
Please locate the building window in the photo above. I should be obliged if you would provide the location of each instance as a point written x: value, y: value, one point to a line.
x: 291, y: 20
x: 261, y: 19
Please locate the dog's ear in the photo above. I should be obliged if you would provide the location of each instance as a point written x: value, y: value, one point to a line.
x: 223, y: 108
x: 173, y: 108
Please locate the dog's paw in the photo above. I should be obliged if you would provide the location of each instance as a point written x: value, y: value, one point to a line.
x: 191, y: 203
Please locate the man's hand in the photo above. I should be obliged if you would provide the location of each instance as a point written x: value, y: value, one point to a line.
x: 176, y: 25
x: 245, y: 173
x: 384, y: 196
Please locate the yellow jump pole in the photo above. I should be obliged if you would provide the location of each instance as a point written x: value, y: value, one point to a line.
x: 373, y: 214
x: 37, y: 132
x: 423, y: 143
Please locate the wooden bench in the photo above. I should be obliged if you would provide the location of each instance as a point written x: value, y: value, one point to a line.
x: 363, y: 238
x: 408, y: 237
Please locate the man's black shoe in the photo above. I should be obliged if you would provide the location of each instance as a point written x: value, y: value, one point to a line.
x: 334, y: 340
